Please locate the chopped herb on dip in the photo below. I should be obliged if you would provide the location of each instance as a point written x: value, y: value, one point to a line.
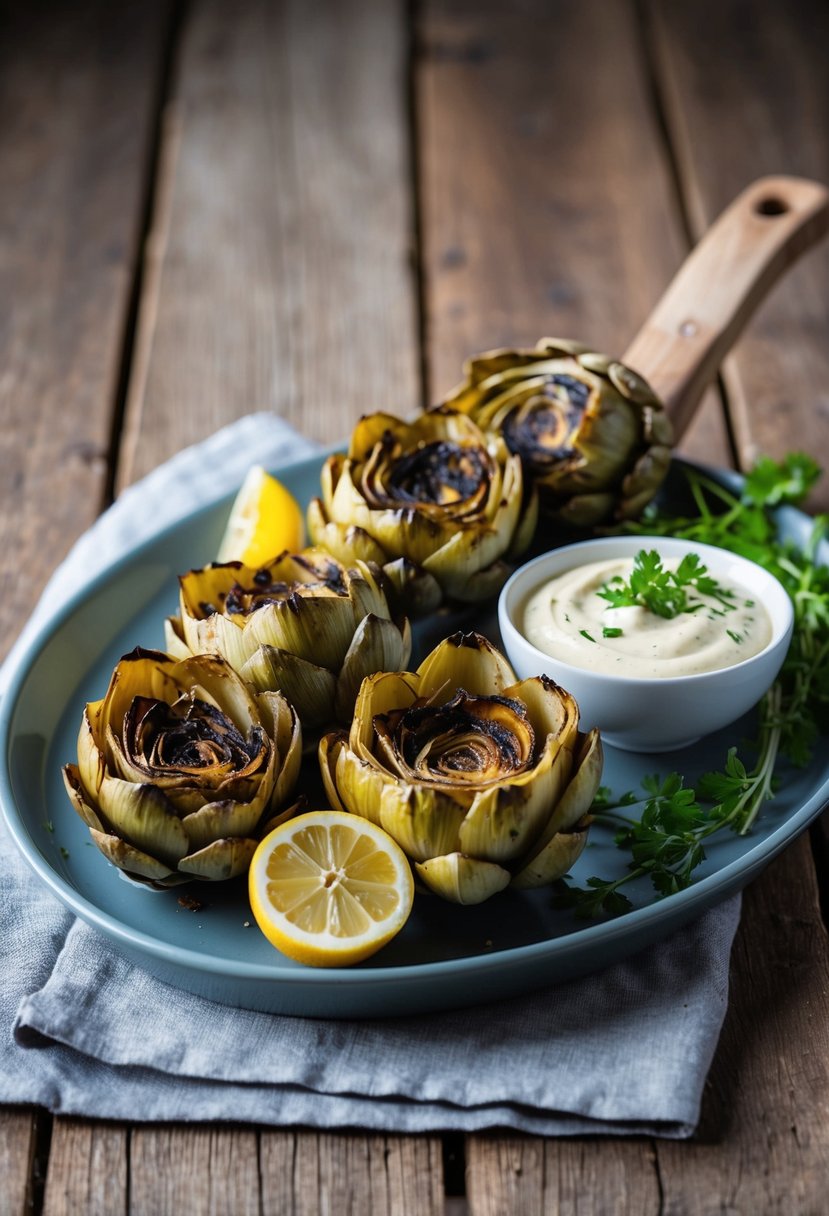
x: 647, y: 617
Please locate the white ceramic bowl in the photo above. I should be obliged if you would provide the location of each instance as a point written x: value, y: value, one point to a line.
x: 651, y: 714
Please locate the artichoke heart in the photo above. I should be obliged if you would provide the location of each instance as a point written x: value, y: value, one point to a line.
x: 306, y: 625
x: 178, y: 766
x: 475, y: 774
x: 441, y: 510
x: 590, y: 432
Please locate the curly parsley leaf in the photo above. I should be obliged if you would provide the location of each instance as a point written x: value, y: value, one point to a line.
x: 666, y: 593
x: 666, y: 842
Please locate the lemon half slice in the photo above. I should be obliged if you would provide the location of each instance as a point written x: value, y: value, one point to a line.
x: 265, y: 520
x: 329, y: 888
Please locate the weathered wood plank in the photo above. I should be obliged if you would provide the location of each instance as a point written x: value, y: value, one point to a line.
x: 205, y: 1171
x: 546, y: 201
x: 746, y: 93
x: 546, y: 208
x: 277, y: 276
x: 512, y: 1176
x: 308, y: 1172
x: 17, y: 1150
x: 87, y: 1173
x: 279, y: 272
x: 763, y: 1142
x: 77, y: 92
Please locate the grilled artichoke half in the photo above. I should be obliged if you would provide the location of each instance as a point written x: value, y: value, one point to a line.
x: 591, y: 433
x: 179, y: 765
x: 306, y: 625
x: 441, y: 512
x: 482, y: 779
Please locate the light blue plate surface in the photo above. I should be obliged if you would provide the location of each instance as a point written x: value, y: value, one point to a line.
x: 446, y: 956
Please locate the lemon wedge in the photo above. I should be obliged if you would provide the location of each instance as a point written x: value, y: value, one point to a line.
x: 265, y: 520
x: 329, y: 888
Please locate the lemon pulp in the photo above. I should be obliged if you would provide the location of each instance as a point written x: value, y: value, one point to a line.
x: 329, y: 888
x: 264, y: 521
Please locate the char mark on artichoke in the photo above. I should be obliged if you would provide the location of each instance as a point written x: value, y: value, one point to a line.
x: 591, y: 433
x: 480, y: 739
x: 187, y: 736
x: 481, y: 778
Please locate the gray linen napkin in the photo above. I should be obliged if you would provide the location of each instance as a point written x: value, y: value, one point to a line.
x: 86, y: 1032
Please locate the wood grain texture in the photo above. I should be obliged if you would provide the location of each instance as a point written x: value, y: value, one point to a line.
x: 519, y: 1176
x: 279, y: 273
x: 203, y: 1171
x: 746, y: 93
x: 17, y: 1150
x: 87, y: 1174
x: 747, y: 249
x: 77, y: 95
x: 305, y: 1173
x: 546, y: 197
x: 763, y: 1141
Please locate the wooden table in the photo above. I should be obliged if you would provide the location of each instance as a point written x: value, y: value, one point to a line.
x: 320, y: 209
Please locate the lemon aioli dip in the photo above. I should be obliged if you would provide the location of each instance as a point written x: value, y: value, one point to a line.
x: 566, y: 618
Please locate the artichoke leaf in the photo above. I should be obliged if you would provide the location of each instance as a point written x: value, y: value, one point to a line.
x: 462, y: 880
x: 218, y: 634
x: 585, y: 510
x: 424, y: 821
x: 309, y: 687
x: 379, y: 694
x: 223, y: 819
x: 141, y: 673
x: 373, y: 429
x: 283, y: 725
x: 551, y: 709
x: 526, y: 526
x: 135, y: 863
x: 330, y: 747
x: 504, y: 821
x: 554, y: 860
x: 377, y: 645
x: 367, y: 595
x: 320, y: 626
x: 330, y: 474
x: 416, y: 590
x: 175, y: 643
x: 577, y: 798
x: 463, y: 660
x: 213, y: 680
x: 638, y: 487
x: 346, y: 542
x: 221, y: 860
x: 475, y: 587
x: 360, y: 784
x: 75, y: 790
x: 143, y: 815
x: 91, y: 759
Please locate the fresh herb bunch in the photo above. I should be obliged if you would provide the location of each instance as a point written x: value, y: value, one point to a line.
x: 666, y: 842
x: 666, y: 593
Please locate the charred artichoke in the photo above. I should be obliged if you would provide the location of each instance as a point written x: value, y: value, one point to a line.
x: 591, y: 433
x: 429, y: 502
x: 482, y: 779
x: 179, y: 765
x: 305, y: 625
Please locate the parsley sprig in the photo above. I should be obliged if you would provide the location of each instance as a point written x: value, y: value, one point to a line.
x: 666, y: 842
x: 666, y: 593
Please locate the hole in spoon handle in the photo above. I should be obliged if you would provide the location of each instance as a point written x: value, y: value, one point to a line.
x: 720, y: 285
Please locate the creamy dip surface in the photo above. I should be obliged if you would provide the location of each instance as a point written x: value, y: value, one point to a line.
x: 567, y: 619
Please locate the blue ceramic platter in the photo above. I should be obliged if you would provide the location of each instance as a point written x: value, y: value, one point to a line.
x: 446, y: 956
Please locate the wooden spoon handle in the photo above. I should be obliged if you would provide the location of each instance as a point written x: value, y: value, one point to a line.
x: 718, y: 287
